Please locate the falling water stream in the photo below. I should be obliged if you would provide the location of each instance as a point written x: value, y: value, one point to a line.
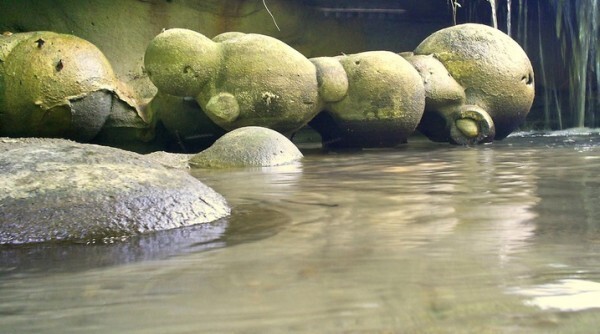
x: 508, y: 17
x: 494, y: 8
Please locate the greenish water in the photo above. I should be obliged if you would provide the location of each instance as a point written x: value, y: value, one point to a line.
x: 426, y: 238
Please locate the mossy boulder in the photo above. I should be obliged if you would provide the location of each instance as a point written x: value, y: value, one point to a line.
x: 331, y: 78
x: 58, y: 190
x: 447, y: 117
x: 53, y: 85
x: 238, y: 79
x: 250, y: 146
x: 59, y: 85
x: 382, y: 106
x: 494, y: 71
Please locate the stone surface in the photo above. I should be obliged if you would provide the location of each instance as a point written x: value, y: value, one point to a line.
x: 123, y: 28
x: 131, y: 128
x: 492, y: 68
x: 171, y: 160
x: 190, y: 130
x: 57, y: 190
x: 242, y: 80
x: 250, y: 146
x: 53, y: 85
x: 58, y: 85
x: 382, y: 107
x: 447, y: 117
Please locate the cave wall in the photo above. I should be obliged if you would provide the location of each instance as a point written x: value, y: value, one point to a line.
x: 123, y: 28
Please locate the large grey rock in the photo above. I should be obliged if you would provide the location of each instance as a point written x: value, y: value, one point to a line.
x: 61, y: 190
x: 250, y: 146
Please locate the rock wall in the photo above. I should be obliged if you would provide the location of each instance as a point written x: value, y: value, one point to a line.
x: 123, y: 28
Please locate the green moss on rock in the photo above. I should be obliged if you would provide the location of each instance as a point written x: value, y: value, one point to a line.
x: 53, y: 85
x: 382, y: 107
x: 238, y: 79
x: 492, y: 68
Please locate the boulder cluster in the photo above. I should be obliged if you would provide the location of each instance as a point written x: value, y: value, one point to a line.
x: 241, y: 93
x: 465, y: 84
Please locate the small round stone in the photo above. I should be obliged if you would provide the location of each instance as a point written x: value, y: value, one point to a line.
x: 468, y: 127
x: 250, y: 146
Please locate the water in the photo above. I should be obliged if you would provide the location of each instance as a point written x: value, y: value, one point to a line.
x: 494, y: 13
x: 578, y: 26
x: 426, y: 238
x: 570, y: 99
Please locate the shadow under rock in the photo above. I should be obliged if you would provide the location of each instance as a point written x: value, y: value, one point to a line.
x: 248, y: 223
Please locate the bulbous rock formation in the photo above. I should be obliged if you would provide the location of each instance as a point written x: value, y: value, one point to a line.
x: 58, y: 85
x: 466, y: 84
x: 58, y: 190
x: 496, y: 77
x: 238, y: 79
x: 371, y: 99
x: 53, y: 85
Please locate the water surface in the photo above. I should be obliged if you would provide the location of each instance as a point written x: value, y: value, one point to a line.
x: 424, y: 238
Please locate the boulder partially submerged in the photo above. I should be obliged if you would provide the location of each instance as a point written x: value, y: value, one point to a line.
x: 58, y: 190
x: 250, y: 146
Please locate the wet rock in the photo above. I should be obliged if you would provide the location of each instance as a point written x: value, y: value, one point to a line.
x: 383, y: 104
x: 238, y: 79
x: 250, y: 146
x: 57, y: 190
x: 50, y: 257
x: 495, y: 73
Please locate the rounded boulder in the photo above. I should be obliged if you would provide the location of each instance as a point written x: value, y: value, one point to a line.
x: 53, y: 85
x: 492, y: 68
x: 58, y: 190
x: 250, y: 146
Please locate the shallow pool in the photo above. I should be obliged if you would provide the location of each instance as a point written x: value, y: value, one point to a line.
x: 425, y: 238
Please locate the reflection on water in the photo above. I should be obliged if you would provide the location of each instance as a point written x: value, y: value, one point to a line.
x: 48, y: 257
x: 566, y: 295
x: 426, y: 238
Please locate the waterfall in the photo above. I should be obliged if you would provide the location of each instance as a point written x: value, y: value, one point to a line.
x: 563, y: 39
x: 522, y: 23
x: 494, y: 13
x: 508, y: 17
x: 577, y: 24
